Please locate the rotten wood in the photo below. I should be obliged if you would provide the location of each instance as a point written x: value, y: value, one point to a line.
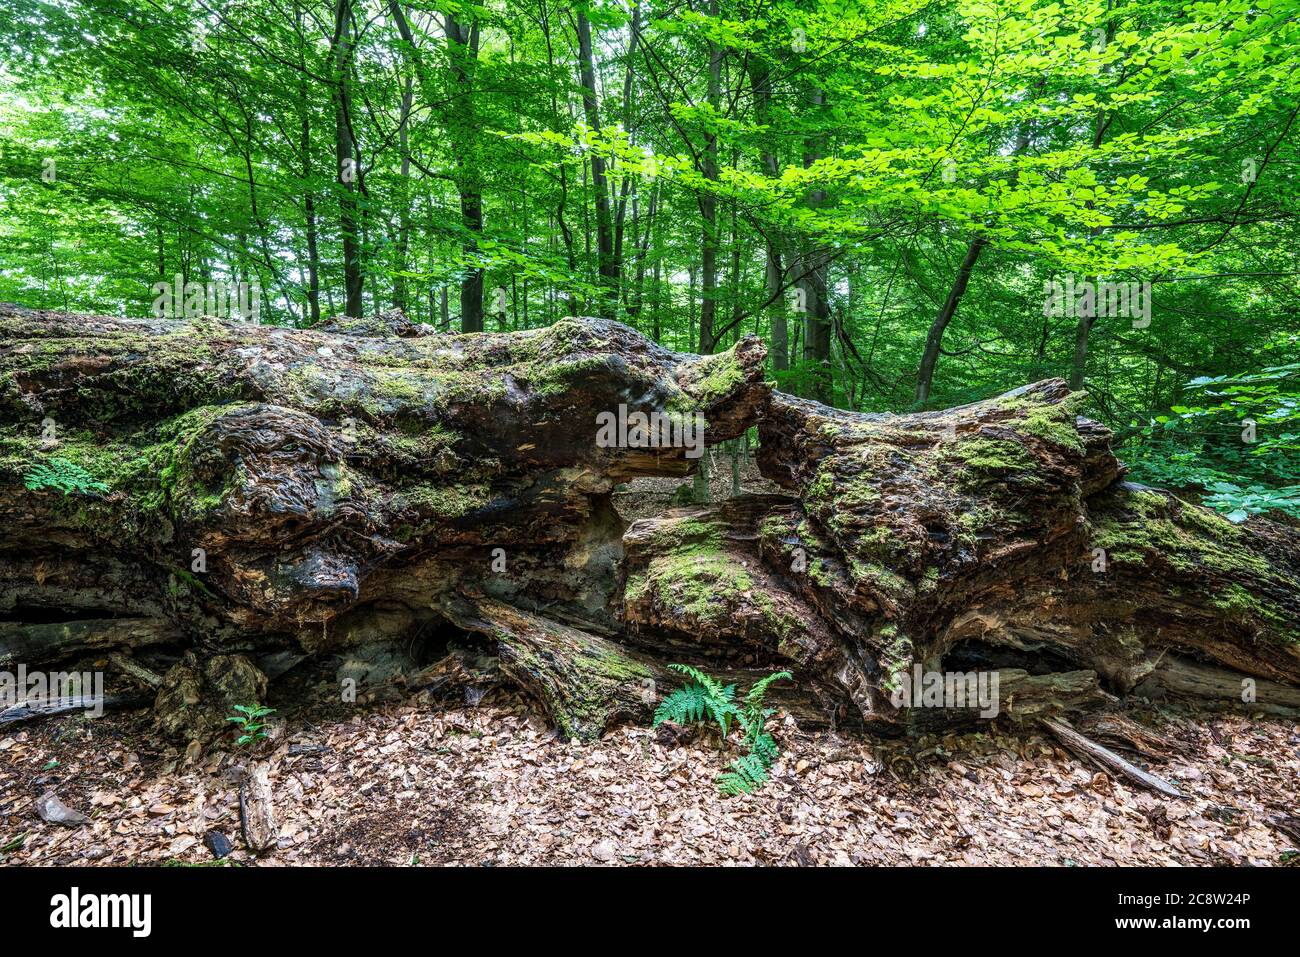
x: 258, y: 494
x: 1108, y: 759
x: 35, y: 709
x: 257, y: 808
x: 150, y: 679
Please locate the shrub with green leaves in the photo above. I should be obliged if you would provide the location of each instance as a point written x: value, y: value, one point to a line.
x: 62, y: 476
x: 1236, y: 442
x: 706, y: 700
x: 249, y: 720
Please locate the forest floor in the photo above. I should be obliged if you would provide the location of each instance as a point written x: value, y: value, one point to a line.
x: 410, y: 781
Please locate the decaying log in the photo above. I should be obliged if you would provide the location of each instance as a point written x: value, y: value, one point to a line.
x: 1212, y: 686
x: 24, y: 642
x: 243, y: 493
x: 587, y: 682
x: 1118, y: 731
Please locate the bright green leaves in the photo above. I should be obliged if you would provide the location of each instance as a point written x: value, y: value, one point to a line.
x: 705, y: 700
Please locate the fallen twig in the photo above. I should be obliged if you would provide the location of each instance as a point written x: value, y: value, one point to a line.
x: 137, y: 671
x: 34, y: 709
x: 1107, y: 759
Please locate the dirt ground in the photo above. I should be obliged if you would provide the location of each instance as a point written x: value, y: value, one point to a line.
x: 413, y: 782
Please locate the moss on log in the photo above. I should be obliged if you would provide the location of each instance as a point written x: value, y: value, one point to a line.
x: 230, y: 490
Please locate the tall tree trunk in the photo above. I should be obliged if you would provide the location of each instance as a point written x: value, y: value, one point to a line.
x: 607, y: 264
x: 462, y: 53
x: 403, y: 197
x: 562, y: 201
x: 1079, y: 359
x: 1083, y: 324
x: 934, y: 339
x: 708, y: 203
x: 462, y: 58
x: 348, y: 168
x: 816, y: 305
x: 760, y: 78
x: 309, y: 196
x: 628, y: 188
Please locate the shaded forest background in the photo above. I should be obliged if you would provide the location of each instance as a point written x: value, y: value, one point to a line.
x: 884, y: 190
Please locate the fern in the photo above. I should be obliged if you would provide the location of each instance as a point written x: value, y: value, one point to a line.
x: 63, y: 476
x: 686, y: 705
x: 705, y: 699
x: 765, y: 747
x: 759, y: 689
x: 748, y: 773
x: 755, y: 716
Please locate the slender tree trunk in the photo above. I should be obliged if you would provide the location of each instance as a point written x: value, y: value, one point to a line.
x: 934, y: 340
x: 708, y: 203
x: 627, y: 190
x: 816, y: 320
x: 607, y: 264
x: 462, y: 52
x: 774, y: 276
x: 309, y: 197
x: 642, y: 250
x: 403, y: 199
x: 345, y: 154
x: 1083, y: 327
x: 1079, y: 361
x: 657, y: 301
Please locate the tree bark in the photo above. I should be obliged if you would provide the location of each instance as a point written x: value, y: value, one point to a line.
x: 934, y: 339
x: 760, y: 76
x: 814, y: 286
x: 608, y: 266
x: 348, y: 166
x: 707, y: 201
x: 241, y: 490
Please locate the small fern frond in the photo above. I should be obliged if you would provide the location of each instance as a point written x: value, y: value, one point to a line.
x: 689, y: 704
x: 62, y: 476
x: 754, y: 699
x: 711, y: 683
x: 765, y: 749
x: 723, y: 713
x: 746, y: 776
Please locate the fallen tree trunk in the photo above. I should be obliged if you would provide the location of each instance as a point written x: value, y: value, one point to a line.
x: 235, y: 491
